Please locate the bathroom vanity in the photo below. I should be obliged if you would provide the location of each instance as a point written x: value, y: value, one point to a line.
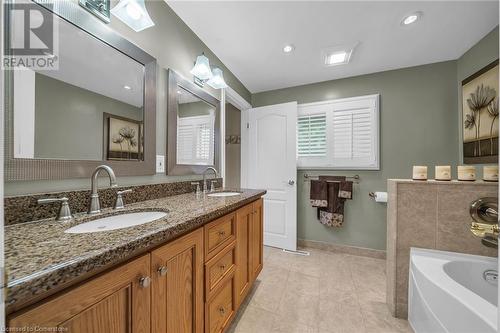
x: 186, y: 272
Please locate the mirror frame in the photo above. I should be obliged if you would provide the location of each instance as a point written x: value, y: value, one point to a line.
x: 21, y: 169
x: 174, y: 81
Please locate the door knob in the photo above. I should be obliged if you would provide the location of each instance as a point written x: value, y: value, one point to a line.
x: 145, y: 281
x: 291, y: 182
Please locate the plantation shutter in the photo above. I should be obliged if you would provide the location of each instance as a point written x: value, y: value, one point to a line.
x: 339, y: 134
x: 355, y: 134
x: 195, y: 140
x: 311, y: 135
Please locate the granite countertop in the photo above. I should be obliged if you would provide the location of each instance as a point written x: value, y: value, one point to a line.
x: 41, y: 259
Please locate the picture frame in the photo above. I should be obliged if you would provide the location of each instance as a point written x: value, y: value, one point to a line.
x: 123, y: 138
x: 480, y: 95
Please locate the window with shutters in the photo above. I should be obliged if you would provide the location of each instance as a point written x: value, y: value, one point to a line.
x: 339, y: 134
x: 195, y: 140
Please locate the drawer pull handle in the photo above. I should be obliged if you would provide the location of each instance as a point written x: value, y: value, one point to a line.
x: 222, y: 233
x: 222, y: 311
x: 222, y: 267
x: 145, y: 281
x: 162, y: 270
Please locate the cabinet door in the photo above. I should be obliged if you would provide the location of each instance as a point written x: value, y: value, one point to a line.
x: 177, y: 290
x: 243, y: 274
x: 256, y: 240
x: 114, y: 302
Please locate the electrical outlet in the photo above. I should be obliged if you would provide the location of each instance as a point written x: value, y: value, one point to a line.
x: 160, y: 163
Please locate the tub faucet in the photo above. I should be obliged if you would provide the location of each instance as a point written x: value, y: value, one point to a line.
x: 484, y: 212
x: 95, y: 204
x: 204, y: 179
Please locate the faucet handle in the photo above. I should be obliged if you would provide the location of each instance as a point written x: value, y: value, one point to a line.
x: 212, y: 185
x: 198, y: 191
x: 119, y: 204
x: 64, y: 211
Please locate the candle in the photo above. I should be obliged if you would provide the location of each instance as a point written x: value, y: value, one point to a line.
x: 466, y: 172
x: 443, y: 172
x: 419, y: 172
x: 490, y: 173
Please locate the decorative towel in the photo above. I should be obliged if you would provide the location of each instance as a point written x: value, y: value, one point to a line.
x: 333, y: 214
x: 345, y: 190
x: 318, y: 195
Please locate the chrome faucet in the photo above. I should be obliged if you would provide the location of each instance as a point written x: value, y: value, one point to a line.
x: 204, y: 179
x: 484, y: 212
x: 95, y: 204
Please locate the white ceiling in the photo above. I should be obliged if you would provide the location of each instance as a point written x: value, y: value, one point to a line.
x: 248, y: 36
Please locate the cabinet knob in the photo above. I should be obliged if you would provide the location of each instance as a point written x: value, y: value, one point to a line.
x: 145, y: 281
x: 162, y: 270
x: 222, y: 311
x: 222, y: 267
x: 222, y: 233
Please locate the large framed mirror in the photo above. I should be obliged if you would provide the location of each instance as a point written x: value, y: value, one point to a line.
x: 97, y: 107
x: 193, y: 123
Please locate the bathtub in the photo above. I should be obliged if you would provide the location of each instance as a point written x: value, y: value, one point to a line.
x: 449, y: 293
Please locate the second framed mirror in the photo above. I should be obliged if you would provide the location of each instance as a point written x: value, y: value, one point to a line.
x: 193, y: 127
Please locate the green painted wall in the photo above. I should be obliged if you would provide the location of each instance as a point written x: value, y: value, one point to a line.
x: 418, y: 126
x: 480, y: 55
x: 174, y: 46
x: 62, y: 129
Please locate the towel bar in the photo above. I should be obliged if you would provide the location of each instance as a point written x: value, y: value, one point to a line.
x: 354, y: 178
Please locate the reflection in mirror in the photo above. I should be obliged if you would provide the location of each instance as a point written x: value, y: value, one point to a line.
x: 91, y: 108
x: 195, y: 130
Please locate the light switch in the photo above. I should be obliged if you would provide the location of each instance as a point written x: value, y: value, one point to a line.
x: 160, y: 163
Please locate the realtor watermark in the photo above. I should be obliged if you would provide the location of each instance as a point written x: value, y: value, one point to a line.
x: 33, y: 39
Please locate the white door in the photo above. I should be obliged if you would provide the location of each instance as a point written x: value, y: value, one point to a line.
x: 269, y: 162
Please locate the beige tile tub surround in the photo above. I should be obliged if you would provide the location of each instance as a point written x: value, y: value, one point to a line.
x: 432, y: 215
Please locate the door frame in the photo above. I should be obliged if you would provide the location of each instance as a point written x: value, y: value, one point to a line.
x: 229, y: 95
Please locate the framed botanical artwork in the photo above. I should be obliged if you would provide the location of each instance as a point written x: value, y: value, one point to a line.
x: 123, y: 138
x: 480, y: 116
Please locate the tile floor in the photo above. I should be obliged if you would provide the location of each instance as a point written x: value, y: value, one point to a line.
x: 321, y: 293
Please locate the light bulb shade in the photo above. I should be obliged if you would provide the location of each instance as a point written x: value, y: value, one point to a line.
x: 133, y: 13
x: 217, y: 80
x: 201, y: 68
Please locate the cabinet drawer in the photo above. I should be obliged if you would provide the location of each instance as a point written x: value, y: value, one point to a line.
x: 218, y: 234
x: 219, y: 268
x: 220, y: 309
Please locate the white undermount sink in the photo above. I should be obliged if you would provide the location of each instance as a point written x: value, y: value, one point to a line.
x: 115, y: 222
x: 223, y: 194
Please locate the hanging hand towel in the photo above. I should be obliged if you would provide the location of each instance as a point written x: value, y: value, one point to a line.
x: 345, y: 190
x: 318, y: 195
x: 333, y: 214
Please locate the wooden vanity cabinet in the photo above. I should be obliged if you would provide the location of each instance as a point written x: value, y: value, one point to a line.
x: 249, y: 247
x: 192, y: 284
x: 115, y: 302
x: 177, y: 289
x: 257, y: 239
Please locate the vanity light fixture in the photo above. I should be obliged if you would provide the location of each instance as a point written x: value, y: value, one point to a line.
x: 217, y: 80
x: 201, y: 70
x: 134, y: 14
x: 412, y: 18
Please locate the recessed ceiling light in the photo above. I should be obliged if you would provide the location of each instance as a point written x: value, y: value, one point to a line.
x: 412, y: 18
x: 127, y: 87
x: 288, y: 48
x: 179, y: 92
